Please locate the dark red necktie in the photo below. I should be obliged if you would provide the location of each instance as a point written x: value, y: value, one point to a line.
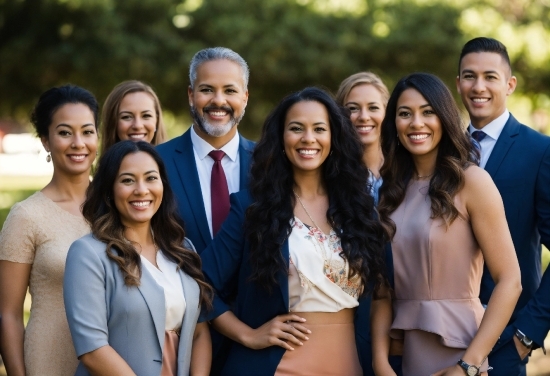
x: 219, y: 193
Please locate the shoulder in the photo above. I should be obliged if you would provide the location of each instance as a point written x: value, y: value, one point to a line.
x: 173, y: 144
x: 534, y: 137
x: 86, y: 246
x: 476, y: 178
x: 246, y: 143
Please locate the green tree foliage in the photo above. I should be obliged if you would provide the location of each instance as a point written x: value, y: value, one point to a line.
x: 288, y: 44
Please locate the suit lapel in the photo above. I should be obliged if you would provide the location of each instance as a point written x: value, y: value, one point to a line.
x: 503, y: 144
x: 282, y: 278
x: 154, y: 297
x: 245, y: 156
x: 184, y: 159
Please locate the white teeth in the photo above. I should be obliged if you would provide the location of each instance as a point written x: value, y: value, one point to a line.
x: 140, y: 204
x: 480, y: 100
x: 218, y: 113
x: 137, y: 136
x: 77, y: 158
x: 418, y: 136
x: 366, y: 128
x: 307, y: 152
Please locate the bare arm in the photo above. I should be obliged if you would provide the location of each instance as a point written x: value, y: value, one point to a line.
x: 381, y: 319
x: 14, y: 280
x: 283, y: 330
x: 201, y: 355
x: 486, y: 211
x: 105, y: 361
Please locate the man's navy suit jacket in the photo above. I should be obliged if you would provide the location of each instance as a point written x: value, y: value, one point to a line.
x: 179, y: 158
x: 520, y: 167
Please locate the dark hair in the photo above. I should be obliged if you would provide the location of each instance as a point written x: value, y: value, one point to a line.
x: 456, y: 152
x: 101, y: 213
x: 51, y: 100
x: 111, y: 107
x: 351, y: 208
x: 483, y: 44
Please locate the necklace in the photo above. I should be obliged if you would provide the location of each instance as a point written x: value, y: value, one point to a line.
x: 327, y: 268
x: 424, y: 177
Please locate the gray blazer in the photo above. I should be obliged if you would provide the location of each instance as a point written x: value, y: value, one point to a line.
x: 102, y: 310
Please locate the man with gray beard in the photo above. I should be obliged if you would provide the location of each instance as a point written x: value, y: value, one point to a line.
x: 211, y: 160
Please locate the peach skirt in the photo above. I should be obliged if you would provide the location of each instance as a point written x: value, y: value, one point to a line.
x: 170, y: 353
x: 330, y: 349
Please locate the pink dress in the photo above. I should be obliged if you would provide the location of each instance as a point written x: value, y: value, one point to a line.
x: 437, y: 273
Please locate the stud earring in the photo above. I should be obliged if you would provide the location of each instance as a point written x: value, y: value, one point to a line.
x: 49, y: 157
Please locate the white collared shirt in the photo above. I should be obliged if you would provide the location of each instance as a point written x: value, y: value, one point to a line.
x: 493, y: 131
x: 230, y: 164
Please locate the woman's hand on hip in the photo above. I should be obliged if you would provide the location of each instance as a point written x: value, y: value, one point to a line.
x: 285, y: 331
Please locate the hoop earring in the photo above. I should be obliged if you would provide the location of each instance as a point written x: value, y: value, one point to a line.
x: 49, y: 157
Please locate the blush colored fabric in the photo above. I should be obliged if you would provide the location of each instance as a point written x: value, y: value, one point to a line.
x: 330, y: 349
x: 170, y: 354
x: 437, y: 274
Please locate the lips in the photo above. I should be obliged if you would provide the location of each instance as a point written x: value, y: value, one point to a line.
x: 418, y: 137
x: 218, y: 112
x: 308, y: 153
x: 364, y: 128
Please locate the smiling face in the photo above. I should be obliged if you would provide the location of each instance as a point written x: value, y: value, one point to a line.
x: 137, y: 117
x: 138, y: 190
x: 307, y: 136
x: 218, y: 100
x: 366, y: 107
x: 484, y: 83
x: 418, y: 127
x: 72, y: 139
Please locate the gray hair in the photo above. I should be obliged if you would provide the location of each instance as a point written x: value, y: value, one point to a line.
x: 217, y: 53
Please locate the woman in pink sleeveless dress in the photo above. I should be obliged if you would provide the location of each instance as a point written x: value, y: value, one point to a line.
x: 445, y: 218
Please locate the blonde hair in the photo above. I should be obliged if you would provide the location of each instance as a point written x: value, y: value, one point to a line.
x: 109, y: 115
x: 361, y: 78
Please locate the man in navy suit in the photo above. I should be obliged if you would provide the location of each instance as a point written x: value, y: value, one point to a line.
x: 218, y: 94
x: 518, y: 160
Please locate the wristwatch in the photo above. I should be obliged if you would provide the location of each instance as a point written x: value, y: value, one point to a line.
x: 525, y: 341
x: 470, y: 370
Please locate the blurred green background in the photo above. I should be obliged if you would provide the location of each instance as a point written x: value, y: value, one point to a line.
x: 288, y: 44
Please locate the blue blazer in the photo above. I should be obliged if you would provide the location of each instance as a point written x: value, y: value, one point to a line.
x: 102, y: 310
x: 520, y: 167
x: 179, y: 158
x: 226, y: 266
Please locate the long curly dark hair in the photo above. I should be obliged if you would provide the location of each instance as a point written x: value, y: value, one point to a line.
x: 101, y: 213
x: 351, y: 208
x: 455, y: 153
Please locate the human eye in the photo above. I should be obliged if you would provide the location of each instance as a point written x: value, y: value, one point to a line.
x: 320, y: 129
x: 147, y: 116
x: 152, y: 178
x: 353, y: 109
x: 89, y: 131
x: 403, y: 114
x: 231, y: 91
x: 127, y: 181
x: 295, y: 128
x: 429, y: 112
x: 467, y: 76
x: 205, y: 90
x: 64, y: 133
x: 374, y: 108
x: 125, y: 117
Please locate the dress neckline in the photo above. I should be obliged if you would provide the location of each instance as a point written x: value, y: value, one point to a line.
x: 59, y: 208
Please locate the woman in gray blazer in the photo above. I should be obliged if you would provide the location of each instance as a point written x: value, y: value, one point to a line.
x: 133, y: 288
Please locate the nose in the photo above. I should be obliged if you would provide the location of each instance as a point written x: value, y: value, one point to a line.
x: 364, y: 114
x: 479, y: 85
x: 137, y: 123
x: 308, y: 136
x: 219, y: 98
x: 417, y: 121
x: 141, y: 188
x: 78, y: 142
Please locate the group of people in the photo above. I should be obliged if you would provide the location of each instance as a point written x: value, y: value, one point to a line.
x: 367, y: 233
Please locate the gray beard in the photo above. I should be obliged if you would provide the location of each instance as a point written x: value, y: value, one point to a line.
x: 214, y: 130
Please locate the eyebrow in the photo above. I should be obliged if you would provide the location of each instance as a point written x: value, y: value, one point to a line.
x: 130, y: 112
x: 485, y: 72
x: 408, y: 108
x: 351, y: 102
x: 316, y: 123
x: 67, y: 125
x: 131, y: 174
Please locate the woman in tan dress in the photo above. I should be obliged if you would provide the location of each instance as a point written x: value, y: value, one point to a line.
x: 444, y: 217
x: 37, y: 234
x: 132, y: 111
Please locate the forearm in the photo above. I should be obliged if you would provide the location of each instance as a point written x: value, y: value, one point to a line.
x: 230, y: 326
x: 498, y: 312
x: 201, y: 355
x: 12, y: 332
x: 106, y: 361
x: 381, y: 319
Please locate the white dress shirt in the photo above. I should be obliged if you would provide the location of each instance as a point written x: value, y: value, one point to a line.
x: 230, y: 163
x: 493, y: 131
